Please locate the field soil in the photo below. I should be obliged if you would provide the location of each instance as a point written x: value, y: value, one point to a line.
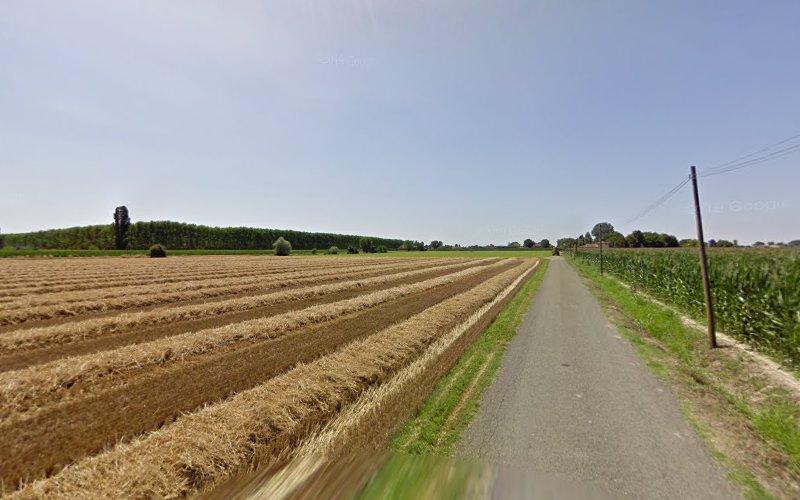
x: 390, y: 311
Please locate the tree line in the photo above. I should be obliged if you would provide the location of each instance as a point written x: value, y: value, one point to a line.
x: 124, y: 235
x: 605, y: 232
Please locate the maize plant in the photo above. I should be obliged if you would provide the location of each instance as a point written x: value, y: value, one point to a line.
x: 756, y: 293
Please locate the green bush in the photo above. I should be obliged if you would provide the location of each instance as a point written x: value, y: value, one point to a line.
x: 333, y: 250
x: 313, y: 251
x: 158, y: 250
x: 352, y: 249
x: 367, y: 245
x: 382, y: 249
x: 282, y: 247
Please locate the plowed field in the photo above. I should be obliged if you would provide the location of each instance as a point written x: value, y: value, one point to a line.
x: 163, y: 378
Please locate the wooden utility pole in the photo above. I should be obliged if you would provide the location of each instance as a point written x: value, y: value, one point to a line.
x: 712, y: 332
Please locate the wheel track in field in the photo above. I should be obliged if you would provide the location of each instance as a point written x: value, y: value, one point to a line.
x: 68, y: 298
x: 265, y: 422
x: 83, y: 337
x: 234, y: 294
x: 24, y: 390
x: 142, y: 401
x: 366, y: 424
x: 27, y: 315
x: 127, y: 267
x: 9, y: 293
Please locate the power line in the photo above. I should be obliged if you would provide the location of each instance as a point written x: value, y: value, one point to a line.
x: 748, y: 160
x: 766, y: 148
x: 660, y: 201
x: 754, y: 161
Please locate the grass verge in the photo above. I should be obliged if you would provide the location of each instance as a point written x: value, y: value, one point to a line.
x: 456, y: 398
x: 751, y: 426
x: 447, y: 412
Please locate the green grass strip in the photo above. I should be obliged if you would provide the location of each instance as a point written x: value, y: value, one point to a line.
x: 414, y: 471
x: 436, y: 429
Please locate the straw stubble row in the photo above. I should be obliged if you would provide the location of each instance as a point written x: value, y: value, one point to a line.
x: 9, y: 292
x: 19, y: 389
x: 82, y: 330
x: 182, y: 286
x: 156, y: 294
x: 204, y: 447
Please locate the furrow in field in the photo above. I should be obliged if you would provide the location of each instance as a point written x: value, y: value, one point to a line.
x: 204, y: 447
x: 203, y: 297
x: 50, y: 269
x: 157, y: 296
x: 366, y: 424
x: 20, y: 388
x: 8, y: 293
x: 141, y: 402
x: 104, y: 294
x: 79, y: 331
x: 156, y: 271
x: 122, y: 269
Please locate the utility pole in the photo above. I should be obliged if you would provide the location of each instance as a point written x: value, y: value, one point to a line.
x: 712, y: 333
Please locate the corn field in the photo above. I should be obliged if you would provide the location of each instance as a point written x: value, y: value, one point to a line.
x: 756, y: 292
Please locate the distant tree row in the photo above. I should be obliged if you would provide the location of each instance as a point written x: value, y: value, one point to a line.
x: 793, y: 243
x: 529, y: 243
x: 177, y: 235
x: 605, y: 232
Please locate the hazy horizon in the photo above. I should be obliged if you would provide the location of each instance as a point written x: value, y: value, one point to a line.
x: 466, y: 122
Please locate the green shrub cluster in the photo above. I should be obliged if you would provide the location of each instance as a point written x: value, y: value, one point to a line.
x: 366, y: 245
x: 157, y: 251
x: 282, y: 247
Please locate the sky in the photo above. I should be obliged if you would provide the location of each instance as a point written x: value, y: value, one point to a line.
x: 462, y: 121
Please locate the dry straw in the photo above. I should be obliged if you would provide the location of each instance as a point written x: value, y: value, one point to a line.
x: 81, y: 330
x: 155, y: 294
x: 204, y: 447
x: 67, y: 283
x: 28, y: 271
x: 18, y: 389
x: 184, y: 286
x: 333, y: 438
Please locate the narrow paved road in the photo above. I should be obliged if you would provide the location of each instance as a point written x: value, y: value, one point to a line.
x: 574, y: 401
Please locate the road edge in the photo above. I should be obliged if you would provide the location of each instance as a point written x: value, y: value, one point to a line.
x: 719, y: 398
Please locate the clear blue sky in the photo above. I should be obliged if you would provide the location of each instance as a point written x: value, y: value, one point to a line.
x: 456, y: 120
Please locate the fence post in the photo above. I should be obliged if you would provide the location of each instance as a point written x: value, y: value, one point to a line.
x: 712, y: 332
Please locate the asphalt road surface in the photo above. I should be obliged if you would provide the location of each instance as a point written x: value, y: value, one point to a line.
x: 574, y: 402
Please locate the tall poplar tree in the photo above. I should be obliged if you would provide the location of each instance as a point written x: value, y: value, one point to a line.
x: 122, y: 222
